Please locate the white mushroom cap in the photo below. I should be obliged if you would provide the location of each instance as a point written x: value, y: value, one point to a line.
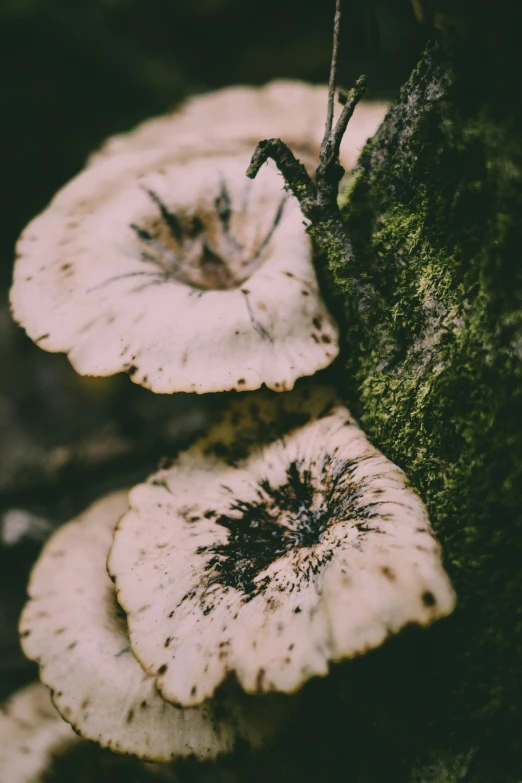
x: 236, y: 118
x: 31, y: 734
x: 188, y: 276
x: 270, y: 561
x: 73, y: 627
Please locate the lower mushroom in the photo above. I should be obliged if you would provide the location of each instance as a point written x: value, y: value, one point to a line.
x: 271, y: 559
x: 74, y: 628
x: 31, y: 733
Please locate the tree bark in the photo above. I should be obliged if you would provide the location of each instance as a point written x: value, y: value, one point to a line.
x: 434, y: 368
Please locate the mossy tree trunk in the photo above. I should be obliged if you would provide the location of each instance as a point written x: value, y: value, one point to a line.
x: 433, y: 368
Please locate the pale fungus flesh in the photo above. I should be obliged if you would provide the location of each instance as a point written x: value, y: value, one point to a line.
x: 236, y: 118
x: 187, y: 276
x: 74, y: 629
x: 269, y: 550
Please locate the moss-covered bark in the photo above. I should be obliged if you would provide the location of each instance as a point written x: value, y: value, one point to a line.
x: 434, y: 366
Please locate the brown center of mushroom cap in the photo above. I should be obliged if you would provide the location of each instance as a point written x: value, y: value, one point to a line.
x: 293, y: 516
x: 199, y: 248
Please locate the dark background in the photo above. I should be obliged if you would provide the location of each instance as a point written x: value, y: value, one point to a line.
x: 74, y: 72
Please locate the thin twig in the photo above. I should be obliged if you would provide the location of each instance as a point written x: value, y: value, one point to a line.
x: 354, y: 96
x: 296, y: 177
x: 333, y: 72
x: 318, y: 200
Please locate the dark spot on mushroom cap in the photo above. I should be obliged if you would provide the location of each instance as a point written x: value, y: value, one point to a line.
x: 428, y: 599
x: 222, y: 262
x: 283, y: 518
x: 165, y: 463
x: 388, y: 573
x: 162, y: 669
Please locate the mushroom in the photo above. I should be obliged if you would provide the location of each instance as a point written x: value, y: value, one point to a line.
x: 272, y: 559
x: 185, y: 275
x: 74, y: 629
x: 31, y: 734
x: 235, y: 118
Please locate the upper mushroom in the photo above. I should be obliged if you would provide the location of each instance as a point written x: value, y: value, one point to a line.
x: 184, y: 274
x: 280, y: 542
x: 75, y: 630
x: 236, y: 118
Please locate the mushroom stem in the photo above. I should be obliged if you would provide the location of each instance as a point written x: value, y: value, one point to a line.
x: 318, y: 200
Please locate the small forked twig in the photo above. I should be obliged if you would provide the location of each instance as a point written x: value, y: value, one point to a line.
x: 323, y: 192
x: 333, y: 71
x: 318, y: 200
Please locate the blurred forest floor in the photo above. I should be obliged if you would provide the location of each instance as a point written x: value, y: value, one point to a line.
x: 73, y: 74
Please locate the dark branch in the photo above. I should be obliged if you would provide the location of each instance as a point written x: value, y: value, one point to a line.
x: 318, y: 201
x: 296, y: 177
x: 329, y: 171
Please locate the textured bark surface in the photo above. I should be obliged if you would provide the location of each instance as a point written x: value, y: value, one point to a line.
x: 434, y: 371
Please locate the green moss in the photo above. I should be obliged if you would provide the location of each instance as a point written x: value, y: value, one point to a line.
x: 434, y: 366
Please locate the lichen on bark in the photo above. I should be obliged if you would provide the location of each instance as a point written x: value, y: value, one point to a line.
x: 433, y: 367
